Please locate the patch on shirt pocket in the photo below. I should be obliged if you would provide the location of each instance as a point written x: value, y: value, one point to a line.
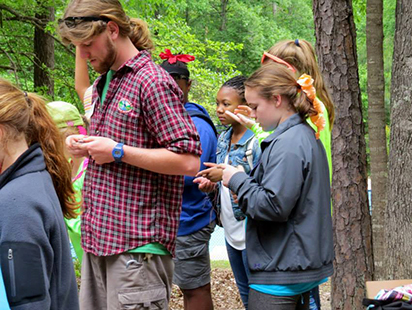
x: 152, y: 298
x: 124, y: 106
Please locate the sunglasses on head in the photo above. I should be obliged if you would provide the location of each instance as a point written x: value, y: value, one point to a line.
x: 278, y: 60
x: 72, y: 22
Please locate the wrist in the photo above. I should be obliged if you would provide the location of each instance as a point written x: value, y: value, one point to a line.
x: 118, y: 152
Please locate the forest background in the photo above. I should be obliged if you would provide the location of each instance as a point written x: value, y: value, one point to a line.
x: 228, y: 37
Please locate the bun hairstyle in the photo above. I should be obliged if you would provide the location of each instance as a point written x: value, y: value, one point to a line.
x: 301, y: 55
x: 238, y: 84
x: 274, y: 79
x: 24, y: 115
x: 112, y: 10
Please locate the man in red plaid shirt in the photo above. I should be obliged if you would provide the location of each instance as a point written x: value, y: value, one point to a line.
x: 141, y: 144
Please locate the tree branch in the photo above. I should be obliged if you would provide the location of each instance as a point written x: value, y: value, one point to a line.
x: 38, y: 23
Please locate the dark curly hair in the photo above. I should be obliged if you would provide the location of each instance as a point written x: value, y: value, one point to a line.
x: 237, y: 83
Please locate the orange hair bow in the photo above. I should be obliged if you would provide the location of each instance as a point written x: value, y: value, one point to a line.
x: 306, y: 83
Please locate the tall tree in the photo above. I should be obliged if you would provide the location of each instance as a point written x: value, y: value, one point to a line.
x: 336, y: 50
x: 399, y: 211
x: 44, y: 51
x: 377, y: 132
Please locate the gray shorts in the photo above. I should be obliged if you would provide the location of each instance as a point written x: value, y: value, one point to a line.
x: 192, y: 261
x: 126, y: 281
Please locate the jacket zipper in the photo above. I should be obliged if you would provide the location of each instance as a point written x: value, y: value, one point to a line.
x: 12, y: 274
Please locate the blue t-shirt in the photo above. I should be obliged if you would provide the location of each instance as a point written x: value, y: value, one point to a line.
x: 288, y: 289
x: 197, y: 209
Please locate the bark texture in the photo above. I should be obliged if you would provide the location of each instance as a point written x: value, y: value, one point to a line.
x: 336, y: 50
x: 44, y: 53
x: 377, y: 132
x: 399, y: 216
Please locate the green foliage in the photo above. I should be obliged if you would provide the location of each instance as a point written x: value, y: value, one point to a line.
x: 226, y: 41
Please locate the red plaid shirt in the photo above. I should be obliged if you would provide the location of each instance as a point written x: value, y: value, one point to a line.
x: 125, y: 206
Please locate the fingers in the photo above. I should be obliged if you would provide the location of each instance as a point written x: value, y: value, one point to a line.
x: 204, y: 173
x: 243, y: 109
x: 207, y: 164
x: 234, y: 116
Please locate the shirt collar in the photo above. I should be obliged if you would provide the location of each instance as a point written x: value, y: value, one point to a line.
x: 242, y: 141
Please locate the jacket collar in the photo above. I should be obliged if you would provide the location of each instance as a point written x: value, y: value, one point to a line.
x: 292, y: 121
x: 33, y: 156
x: 245, y: 138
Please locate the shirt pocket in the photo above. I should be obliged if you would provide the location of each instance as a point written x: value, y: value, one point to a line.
x: 22, y: 268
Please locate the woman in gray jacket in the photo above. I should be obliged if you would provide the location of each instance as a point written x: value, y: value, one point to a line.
x: 287, y: 197
x: 35, y: 193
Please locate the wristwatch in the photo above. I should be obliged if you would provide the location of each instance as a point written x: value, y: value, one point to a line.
x: 118, y: 152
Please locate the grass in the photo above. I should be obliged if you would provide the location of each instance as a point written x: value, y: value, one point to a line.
x: 222, y: 264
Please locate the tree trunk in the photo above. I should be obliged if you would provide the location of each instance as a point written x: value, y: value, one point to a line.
x: 336, y: 50
x: 223, y: 11
x: 377, y: 133
x: 399, y: 212
x: 44, y: 53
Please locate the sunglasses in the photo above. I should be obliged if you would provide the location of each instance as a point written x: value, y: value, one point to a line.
x: 278, y: 60
x: 72, y: 22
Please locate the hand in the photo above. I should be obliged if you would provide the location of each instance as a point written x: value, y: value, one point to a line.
x: 99, y: 148
x: 205, y: 185
x: 214, y: 174
x: 244, y: 110
x: 228, y: 172
x: 243, y: 120
x: 234, y: 196
x: 73, y: 145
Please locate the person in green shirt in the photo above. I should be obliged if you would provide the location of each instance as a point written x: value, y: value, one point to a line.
x: 69, y: 121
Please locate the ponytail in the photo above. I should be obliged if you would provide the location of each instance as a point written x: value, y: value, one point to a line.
x: 301, y: 55
x: 26, y: 115
x: 42, y: 129
x: 140, y: 35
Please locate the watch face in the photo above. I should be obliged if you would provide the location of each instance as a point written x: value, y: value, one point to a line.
x: 117, y: 153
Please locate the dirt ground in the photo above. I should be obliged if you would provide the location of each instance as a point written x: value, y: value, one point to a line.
x: 226, y: 296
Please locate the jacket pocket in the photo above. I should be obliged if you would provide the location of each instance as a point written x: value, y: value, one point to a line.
x: 22, y: 269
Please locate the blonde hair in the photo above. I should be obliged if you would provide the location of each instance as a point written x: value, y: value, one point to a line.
x: 303, y: 58
x: 134, y: 28
x: 275, y: 79
x: 25, y: 115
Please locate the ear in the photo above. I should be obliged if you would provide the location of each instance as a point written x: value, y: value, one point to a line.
x: 189, y: 84
x: 278, y: 100
x: 113, y: 30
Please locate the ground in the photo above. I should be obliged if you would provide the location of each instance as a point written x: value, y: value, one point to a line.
x: 226, y: 296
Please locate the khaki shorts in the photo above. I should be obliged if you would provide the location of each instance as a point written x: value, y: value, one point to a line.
x: 126, y: 281
x: 192, y: 261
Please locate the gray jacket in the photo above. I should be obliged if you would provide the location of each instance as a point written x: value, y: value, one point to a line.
x: 35, y: 253
x: 287, y: 203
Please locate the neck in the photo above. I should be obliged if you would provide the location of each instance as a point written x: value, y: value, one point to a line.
x: 15, y: 149
x: 125, y: 51
x: 286, y: 116
x: 238, y: 129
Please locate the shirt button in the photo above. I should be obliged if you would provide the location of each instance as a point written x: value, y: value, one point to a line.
x: 97, y: 132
